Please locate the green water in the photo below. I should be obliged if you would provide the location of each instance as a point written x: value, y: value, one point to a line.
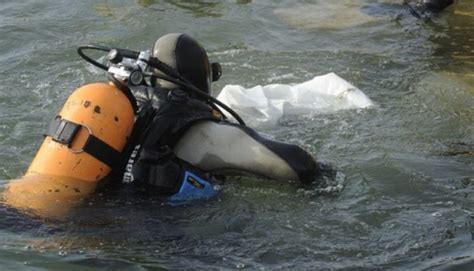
x: 407, y: 201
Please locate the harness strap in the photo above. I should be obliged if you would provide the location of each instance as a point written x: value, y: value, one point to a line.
x: 64, y: 132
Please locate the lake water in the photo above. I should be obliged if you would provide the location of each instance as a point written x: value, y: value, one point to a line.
x: 406, y: 165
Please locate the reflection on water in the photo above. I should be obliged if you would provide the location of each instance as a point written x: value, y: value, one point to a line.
x: 146, y: 3
x: 454, y: 38
x: 198, y: 8
x: 326, y: 15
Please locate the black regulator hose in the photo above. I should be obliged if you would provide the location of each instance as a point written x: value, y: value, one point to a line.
x: 80, y: 51
x: 126, y: 90
x: 179, y: 80
x: 172, y: 75
x: 124, y: 52
x: 203, y: 95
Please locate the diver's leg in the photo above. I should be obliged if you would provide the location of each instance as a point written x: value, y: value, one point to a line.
x: 225, y: 147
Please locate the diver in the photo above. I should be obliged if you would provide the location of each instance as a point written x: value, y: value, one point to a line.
x: 163, y: 132
x: 181, y: 140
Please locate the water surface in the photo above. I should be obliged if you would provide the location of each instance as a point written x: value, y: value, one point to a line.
x: 407, y: 201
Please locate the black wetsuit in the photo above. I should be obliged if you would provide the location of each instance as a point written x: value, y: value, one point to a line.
x: 163, y: 117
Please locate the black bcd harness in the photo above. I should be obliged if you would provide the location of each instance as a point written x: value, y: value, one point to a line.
x: 156, y: 164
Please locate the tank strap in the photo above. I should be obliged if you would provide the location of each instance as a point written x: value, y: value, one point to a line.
x: 63, y: 131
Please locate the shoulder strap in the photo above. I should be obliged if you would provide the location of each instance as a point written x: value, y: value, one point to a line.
x: 64, y: 131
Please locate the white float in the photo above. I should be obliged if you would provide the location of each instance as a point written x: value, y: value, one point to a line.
x: 267, y: 104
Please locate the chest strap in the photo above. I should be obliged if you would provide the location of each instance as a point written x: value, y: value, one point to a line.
x: 64, y: 132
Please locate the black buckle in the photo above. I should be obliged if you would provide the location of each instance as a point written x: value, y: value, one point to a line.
x: 63, y: 131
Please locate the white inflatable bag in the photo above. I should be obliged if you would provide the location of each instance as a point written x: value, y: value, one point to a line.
x: 267, y: 104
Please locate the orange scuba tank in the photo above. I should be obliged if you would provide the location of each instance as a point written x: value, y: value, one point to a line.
x: 82, y: 145
x: 87, y: 136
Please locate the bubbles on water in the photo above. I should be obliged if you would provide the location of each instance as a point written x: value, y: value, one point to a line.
x: 62, y: 253
x: 331, y: 182
x: 436, y: 214
x: 28, y: 247
x: 447, y: 203
x: 276, y: 78
x: 218, y: 187
x: 416, y: 246
x: 231, y: 52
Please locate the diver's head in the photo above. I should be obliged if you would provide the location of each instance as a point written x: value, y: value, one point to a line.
x: 188, y: 58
